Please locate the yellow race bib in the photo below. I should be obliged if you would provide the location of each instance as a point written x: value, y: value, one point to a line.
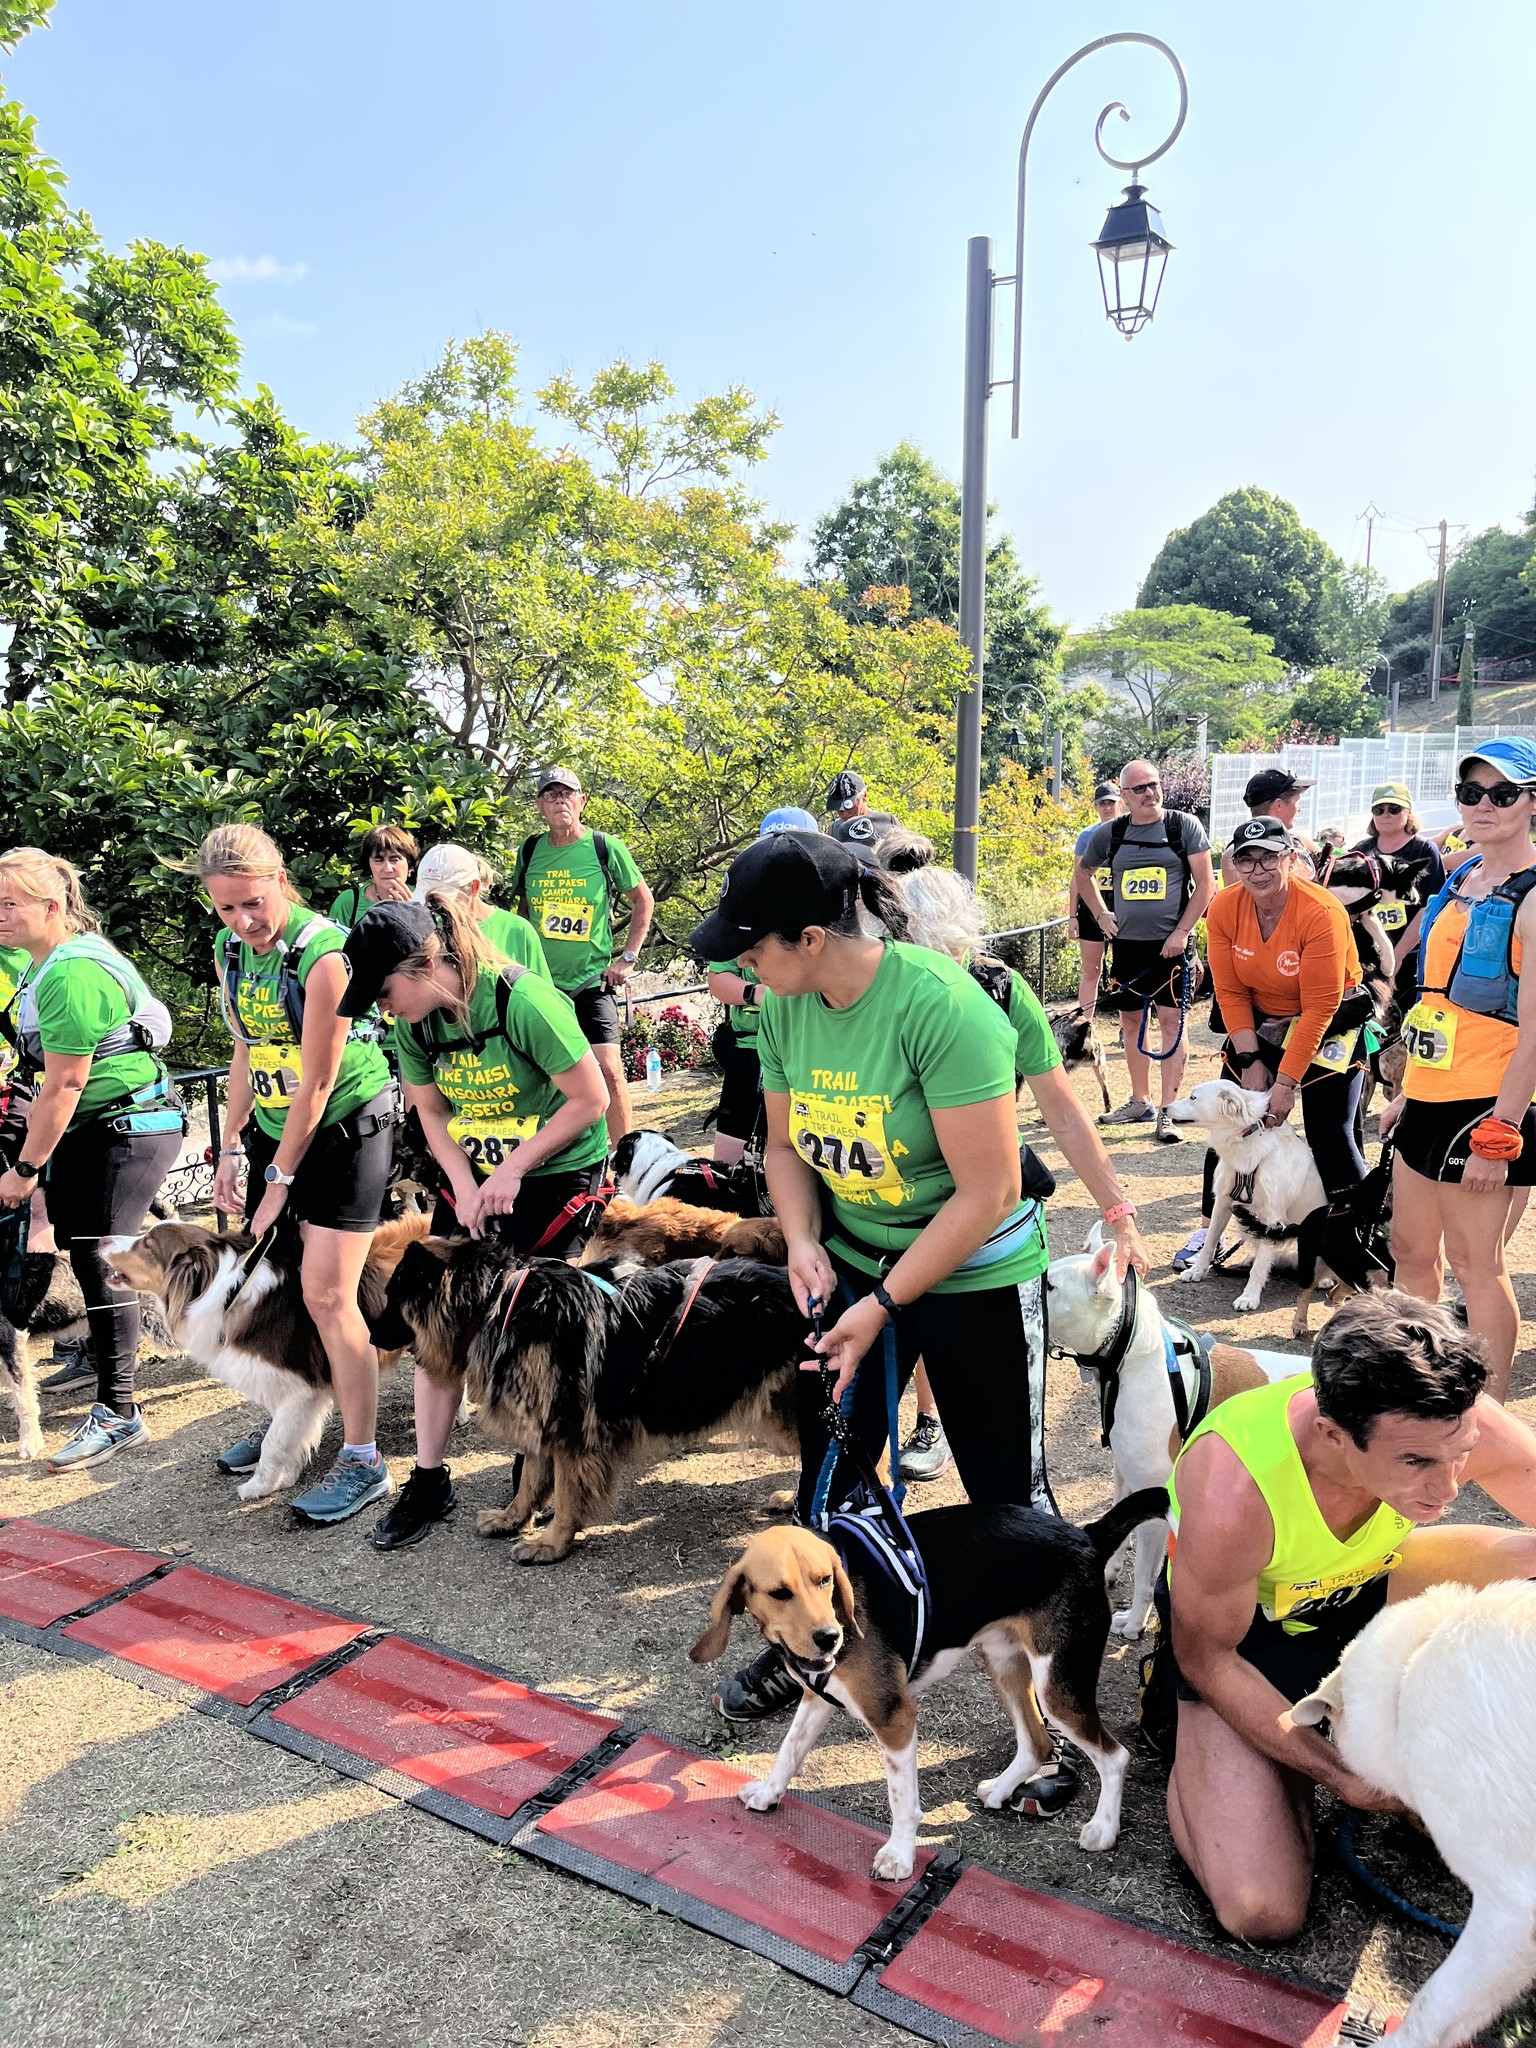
x: 277, y: 1073
x: 1105, y: 879
x: 564, y: 917
x: 1314, y: 1597
x: 486, y: 1141
x: 845, y: 1143
x: 1429, y: 1033
x: 1392, y: 917
x: 1333, y: 1053
x: 1144, y: 885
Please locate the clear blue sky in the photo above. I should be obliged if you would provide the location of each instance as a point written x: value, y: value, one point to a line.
x: 781, y: 197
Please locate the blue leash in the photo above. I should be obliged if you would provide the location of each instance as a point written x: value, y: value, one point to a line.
x: 1349, y: 1856
x: 1186, y: 988
x: 842, y: 1438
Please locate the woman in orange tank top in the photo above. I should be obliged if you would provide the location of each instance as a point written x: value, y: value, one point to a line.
x: 1466, y: 1133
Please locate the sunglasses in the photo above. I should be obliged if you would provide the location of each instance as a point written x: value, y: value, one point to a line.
x: 1141, y: 788
x: 1385, y: 810
x: 1501, y: 794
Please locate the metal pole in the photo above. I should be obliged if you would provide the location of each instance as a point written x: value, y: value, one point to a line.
x: 1056, y: 764
x: 973, y: 546
x: 1394, y: 686
x: 215, y: 1137
x: 1438, y: 627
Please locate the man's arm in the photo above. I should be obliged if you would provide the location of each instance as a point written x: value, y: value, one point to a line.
x: 1503, y: 1460
x: 1203, y: 877
x: 642, y: 903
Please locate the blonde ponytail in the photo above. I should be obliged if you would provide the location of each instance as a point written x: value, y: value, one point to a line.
x: 458, y: 943
x: 48, y: 879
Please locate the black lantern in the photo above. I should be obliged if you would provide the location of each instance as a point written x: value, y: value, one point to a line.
x: 1132, y: 253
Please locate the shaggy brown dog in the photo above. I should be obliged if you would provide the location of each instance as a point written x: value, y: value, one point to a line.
x: 632, y: 1235
x: 578, y: 1375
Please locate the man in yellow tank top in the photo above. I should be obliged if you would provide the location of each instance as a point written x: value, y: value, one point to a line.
x: 1299, y: 1511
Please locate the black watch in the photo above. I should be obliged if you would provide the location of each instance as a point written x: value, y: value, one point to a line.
x: 26, y: 1169
x: 892, y: 1308
x: 1244, y: 1060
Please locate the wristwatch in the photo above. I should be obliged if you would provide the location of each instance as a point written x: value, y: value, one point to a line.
x: 628, y: 956
x: 276, y: 1178
x: 892, y: 1308
x: 1244, y: 1060
x: 26, y: 1169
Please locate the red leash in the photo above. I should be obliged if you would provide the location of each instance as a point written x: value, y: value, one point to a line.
x: 702, y: 1268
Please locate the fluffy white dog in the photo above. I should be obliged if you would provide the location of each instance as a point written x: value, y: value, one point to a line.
x: 1267, y: 1178
x: 1432, y: 1702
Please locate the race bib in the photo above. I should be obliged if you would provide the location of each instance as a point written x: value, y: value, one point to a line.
x: 1305, y: 1601
x: 277, y: 1072
x: 1333, y: 1053
x: 486, y: 1141
x: 1104, y: 878
x: 1392, y: 917
x: 845, y: 1143
x: 1429, y: 1033
x: 564, y: 917
x: 1144, y: 885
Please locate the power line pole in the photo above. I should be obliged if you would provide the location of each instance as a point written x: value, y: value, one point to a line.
x: 1438, y: 628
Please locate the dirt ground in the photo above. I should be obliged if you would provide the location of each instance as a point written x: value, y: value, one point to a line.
x: 167, y: 1878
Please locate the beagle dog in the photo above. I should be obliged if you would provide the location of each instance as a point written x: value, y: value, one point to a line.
x: 1024, y: 1589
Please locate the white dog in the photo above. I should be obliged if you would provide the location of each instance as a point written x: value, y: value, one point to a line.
x: 1269, y: 1174
x: 1084, y: 1306
x: 1432, y: 1702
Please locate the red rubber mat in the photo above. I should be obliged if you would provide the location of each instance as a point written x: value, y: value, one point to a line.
x: 665, y: 1825
x: 995, y: 1962
x: 46, y: 1573
x: 472, y: 1739
x: 229, y: 1642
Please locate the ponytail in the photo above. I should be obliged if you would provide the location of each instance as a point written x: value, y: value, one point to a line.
x: 882, y: 898
x: 456, y: 941
x: 48, y: 879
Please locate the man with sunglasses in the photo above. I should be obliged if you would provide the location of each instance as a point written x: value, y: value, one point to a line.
x: 1160, y: 862
x: 1466, y: 1132
x: 1394, y: 830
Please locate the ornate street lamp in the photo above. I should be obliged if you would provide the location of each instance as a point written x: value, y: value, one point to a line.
x: 1132, y: 253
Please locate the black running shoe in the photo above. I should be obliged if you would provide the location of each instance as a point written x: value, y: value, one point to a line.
x: 76, y: 1367
x: 764, y: 1688
x: 425, y: 1498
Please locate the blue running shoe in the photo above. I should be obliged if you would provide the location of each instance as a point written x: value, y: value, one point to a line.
x: 243, y: 1458
x: 101, y: 1436
x: 351, y: 1485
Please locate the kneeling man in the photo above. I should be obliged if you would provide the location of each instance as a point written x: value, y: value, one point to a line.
x: 1299, y: 1510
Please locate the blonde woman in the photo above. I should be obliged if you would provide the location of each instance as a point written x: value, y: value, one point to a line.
x: 465, y: 876
x: 311, y: 1112
x: 103, y: 1128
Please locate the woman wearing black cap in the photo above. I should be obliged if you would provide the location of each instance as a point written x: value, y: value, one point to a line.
x: 893, y: 1165
x: 513, y: 1105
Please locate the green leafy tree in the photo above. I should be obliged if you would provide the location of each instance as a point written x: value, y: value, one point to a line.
x: 1356, y: 607
x: 1250, y: 556
x: 900, y: 530
x: 1169, y: 668
x: 1334, y: 704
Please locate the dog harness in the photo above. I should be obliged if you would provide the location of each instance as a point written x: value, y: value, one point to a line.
x: 1179, y: 1343
x: 254, y: 1258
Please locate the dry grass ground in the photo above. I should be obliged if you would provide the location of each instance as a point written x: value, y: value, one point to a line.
x: 167, y: 1878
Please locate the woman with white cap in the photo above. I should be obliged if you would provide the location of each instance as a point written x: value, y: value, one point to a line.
x: 1466, y: 1133
x: 457, y: 872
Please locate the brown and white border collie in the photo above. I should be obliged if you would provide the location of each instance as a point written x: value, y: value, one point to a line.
x: 262, y: 1342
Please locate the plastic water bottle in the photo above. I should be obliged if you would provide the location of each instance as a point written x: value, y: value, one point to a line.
x: 653, y: 1070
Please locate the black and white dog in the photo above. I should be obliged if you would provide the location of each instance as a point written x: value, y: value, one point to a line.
x: 647, y: 1165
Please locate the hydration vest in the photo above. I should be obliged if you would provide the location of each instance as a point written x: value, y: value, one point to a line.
x: 1483, y: 979
x: 147, y: 1029
x: 289, y: 986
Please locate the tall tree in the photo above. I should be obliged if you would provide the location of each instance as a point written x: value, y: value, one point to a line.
x: 900, y: 530
x: 1170, y: 667
x: 1334, y: 704
x: 1250, y: 556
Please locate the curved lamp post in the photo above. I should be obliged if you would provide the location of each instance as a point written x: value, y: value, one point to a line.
x: 1133, y: 253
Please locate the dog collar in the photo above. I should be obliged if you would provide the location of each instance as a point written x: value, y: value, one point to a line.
x: 1107, y: 1361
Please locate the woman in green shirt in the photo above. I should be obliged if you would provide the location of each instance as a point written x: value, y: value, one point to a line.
x: 465, y: 876
x: 513, y: 1105
x: 311, y: 1110
x: 893, y: 1165
x: 103, y: 1126
x: 389, y: 853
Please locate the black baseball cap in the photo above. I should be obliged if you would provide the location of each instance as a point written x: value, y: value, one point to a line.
x: 1265, y: 832
x: 780, y: 884
x: 844, y: 789
x: 1103, y: 791
x: 1270, y: 783
x: 376, y: 946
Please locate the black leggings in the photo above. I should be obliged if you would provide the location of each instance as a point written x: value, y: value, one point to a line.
x: 985, y: 1354
x: 1330, y: 1117
x: 100, y: 1184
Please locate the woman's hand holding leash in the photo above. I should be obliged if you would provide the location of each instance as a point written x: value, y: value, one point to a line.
x: 811, y: 1278
x: 15, y: 1189
x: 269, y: 1208
x: 846, y: 1342
x: 1389, y: 1115
x: 1282, y: 1100
x: 495, y: 1196
x: 1129, y: 1249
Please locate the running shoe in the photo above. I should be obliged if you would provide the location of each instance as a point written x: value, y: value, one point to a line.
x: 351, y: 1485
x: 426, y: 1497
x: 101, y: 1436
x: 1168, y: 1132
x: 1189, y: 1252
x: 925, y: 1454
x: 765, y: 1687
x: 76, y: 1368
x: 244, y: 1456
x: 1133, y: 1112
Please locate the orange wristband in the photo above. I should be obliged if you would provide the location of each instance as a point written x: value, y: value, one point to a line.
x: 1497, y: 1140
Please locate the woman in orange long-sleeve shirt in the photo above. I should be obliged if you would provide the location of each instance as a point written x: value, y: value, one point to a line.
x: 1281, y: 951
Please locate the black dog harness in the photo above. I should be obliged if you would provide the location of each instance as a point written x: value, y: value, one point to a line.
x: 1179, y: 1343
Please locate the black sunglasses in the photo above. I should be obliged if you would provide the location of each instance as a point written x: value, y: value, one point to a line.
x: 1141, y: 788
x: 1385, y: 810
x: 1501, y: 794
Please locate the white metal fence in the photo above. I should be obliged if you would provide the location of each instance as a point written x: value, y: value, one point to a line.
x: 1344, y: 775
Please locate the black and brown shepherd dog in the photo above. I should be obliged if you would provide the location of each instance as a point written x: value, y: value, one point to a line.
x: 578, y: 1378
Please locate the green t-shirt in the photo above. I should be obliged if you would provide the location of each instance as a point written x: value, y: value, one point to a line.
x: 78, y: 1003
x: 277, y: 1067
x: 569, y: 904
x: 861, y: 1083
x: 351, y: 906
x: 502, y: 1093
x: 744, y: 1022
x: 1035, y: 1049
x: 514, y: 939
x: 15, y: 962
